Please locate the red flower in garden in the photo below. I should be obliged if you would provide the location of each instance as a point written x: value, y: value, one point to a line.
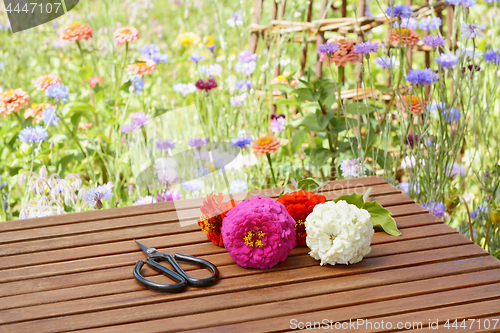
x: 299, y: 205
x: 213, y: 213
x: 206, y: 85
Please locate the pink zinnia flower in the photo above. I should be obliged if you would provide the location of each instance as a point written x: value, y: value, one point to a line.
x: 43, y: 82
x: 94, y: 80
x: 126, y: 35
x: 259, y: 233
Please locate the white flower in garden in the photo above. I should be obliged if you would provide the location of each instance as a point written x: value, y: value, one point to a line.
x: 95, y: 195
x: 211, y: 70
x: 242, y: 161
x: 184, y: 88
x: 472, y: 30
x: 350, y: 168
x: 457, y: 170
x: 469, y: 52
x: 235, y: 19
x: 238, y: 100
x: 409, y: 162
x: 165, y: 168
x: 338, y: 233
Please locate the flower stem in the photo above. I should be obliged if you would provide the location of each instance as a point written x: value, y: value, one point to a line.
x: 487, y: 232
x: 123, y: 68
x: 272, y: 171
x: 470, y: 222
x: 73, y: 135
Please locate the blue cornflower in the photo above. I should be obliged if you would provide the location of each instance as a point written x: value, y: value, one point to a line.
x: 492, y: 56
x: 241, y: 142
x: 192, y: 185
x: 244, y: 84
x: 58, y: 91
x: 211, y: 47
x: 30, y: 134
x: 328, y: 48
x: 238, y: 186
x: 465, y: 3
x: 49, y: 116
x: 410, y: 23
x: 152, y: 51
x: 197, y: 142
x: 435, y: 106
x: 366, y: 47
x: 436, y: 208
x: 446, y: 60
x: 405, y: 187
x: 430, y: 23
x: 387, y: 62
x: 402, y: 11
x: 245, y: 67
x: 137, y: 84
x: 2, y: 66
x: 165, y: 145
x: 196, y: 58
x: 479, y: 211
x: 434, y: 41
x: 421, y: 76
x: 451, y: 114
x: 94, y: 195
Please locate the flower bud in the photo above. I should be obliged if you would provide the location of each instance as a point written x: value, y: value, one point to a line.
x: 451, y: 203
x: 98, y: 204
x: 354, y: 7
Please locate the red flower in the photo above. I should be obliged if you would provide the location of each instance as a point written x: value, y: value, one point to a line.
x: 213, y: 213
x: 299, y: 205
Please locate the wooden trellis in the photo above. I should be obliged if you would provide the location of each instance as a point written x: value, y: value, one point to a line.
x: 314, y: 31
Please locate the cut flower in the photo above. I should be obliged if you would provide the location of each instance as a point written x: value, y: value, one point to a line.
x: 213, y: 213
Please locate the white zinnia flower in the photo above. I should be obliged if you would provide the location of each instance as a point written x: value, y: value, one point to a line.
x: 472, y: 30
x: 339, y: 233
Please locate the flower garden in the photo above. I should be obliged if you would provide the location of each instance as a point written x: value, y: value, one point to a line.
x: 100, y: 106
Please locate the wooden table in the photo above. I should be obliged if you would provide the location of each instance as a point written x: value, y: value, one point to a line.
x: 74, y: 273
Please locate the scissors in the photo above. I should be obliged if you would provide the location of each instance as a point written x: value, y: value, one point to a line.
x: 177, y: 275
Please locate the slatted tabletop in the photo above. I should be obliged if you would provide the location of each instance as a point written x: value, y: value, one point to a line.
x: 74, y: 273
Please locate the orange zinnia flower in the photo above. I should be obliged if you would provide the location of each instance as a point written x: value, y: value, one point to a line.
x: 408, y: 37
x: 280, y: 79
x: 344, y: 55
x: 12, y: 101
x: 410, y: 103
x: 76, y: 31
x: 43, y: 82
x: 294, y: 83
x: 141, y: 68
x: 125, y: 35
x: 213, y: 212
x: 36, y: 111
x: 265, y: 145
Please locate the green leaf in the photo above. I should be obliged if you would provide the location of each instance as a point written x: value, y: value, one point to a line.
x: 381, y: 217
x: 355, y: 199
x: 319, y: 156
x: 284, y: 101
x: 382, y: 88
x: 309, y: 121
x: 286, y: 190
x: 310, y: 106
x: 359, y: 108
x: 323, y: 120
x: 86, y: 72
x: 283, y: 87
x: 304, y: 94
x: 307, y: 184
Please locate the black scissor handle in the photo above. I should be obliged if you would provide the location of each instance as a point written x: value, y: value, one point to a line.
x: 180, y: 286
x: 198, y: 262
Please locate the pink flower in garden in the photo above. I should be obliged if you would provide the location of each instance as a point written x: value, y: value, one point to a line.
x: 94, y: 80
x: 403, y: 37
x: 169, y: 195
x: 76, y: 32
x: 259, y: 233
x: 43, y: 82
x: 13, y: 100
x: 141, y: 68
x: 125, y: 35
x: 294, y: 83
x: 84, y: 126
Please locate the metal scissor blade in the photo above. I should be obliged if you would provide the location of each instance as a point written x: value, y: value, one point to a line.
x: 143, y: 247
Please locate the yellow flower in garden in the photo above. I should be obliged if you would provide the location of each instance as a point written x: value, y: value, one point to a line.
x: 281, y: 79
x: 209, y: 40
x: 189, y: 38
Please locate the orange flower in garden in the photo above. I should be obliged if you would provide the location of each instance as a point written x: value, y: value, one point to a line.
x: 43, y: 82
x: 94, y: 80
x: 125, y: 35
x: 299, y: 205
x: 344, y: 55
x: 410, y: 103
x: 76, y: 31
x: 294, y: 83
x: 36, y: 111
x: 408, y: 37
x: 13, y: 100
x: 280, y: 79
x: 141, y: 68
x: 265, y: 145
x: 213, y: 213
x: 83, y: 126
